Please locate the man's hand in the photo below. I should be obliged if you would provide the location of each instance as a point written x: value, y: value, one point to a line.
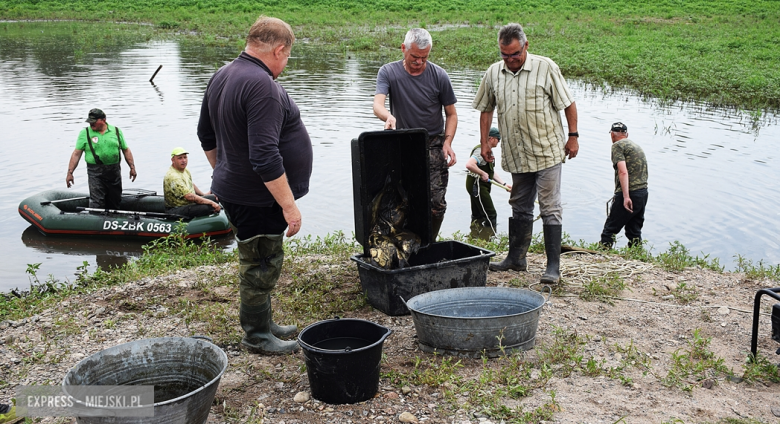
x: 628, y: 204
x: 487, y: 153
x: 572, y: 147
x: 69, y: 180
x: 216, y: 206
x: 449, y: 154
x: 132, y: 174
x: 293, y: 217
x: 390, y: 122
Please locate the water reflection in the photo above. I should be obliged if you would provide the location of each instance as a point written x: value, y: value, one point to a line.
x: 711, y: 170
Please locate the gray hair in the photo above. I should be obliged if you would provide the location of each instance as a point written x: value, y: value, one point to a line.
x: 418, y: 36
x: 267, y: 33
x: 511, y: 32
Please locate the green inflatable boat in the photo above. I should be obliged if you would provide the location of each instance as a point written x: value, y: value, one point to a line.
x: 140, y: 215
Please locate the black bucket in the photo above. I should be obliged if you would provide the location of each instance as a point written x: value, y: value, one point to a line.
x: 342, y: 359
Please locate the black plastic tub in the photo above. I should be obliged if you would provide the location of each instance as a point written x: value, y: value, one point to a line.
x: 442, y: 265
x: 342, y: 359
x: 375, y: 155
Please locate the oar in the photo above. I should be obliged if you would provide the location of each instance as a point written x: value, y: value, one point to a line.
x: 138, y: 195
x: 494, y: 182
x: 117, y: 211
x: 49, y: 202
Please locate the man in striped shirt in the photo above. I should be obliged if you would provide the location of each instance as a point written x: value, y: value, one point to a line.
x: 529, y: 93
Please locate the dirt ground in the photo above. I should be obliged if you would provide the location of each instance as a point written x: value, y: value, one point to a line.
x: 652, y: 317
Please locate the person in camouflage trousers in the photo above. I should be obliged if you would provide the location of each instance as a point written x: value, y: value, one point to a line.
x: 628, y: 206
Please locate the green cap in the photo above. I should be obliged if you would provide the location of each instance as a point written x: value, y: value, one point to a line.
x: 179, y: 151
x: 494, y: 133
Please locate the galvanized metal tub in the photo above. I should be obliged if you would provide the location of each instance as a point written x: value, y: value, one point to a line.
x: 470, y: 321
x: 185, y: 373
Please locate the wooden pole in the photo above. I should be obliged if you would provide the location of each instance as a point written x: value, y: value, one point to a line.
x: 155, y: 73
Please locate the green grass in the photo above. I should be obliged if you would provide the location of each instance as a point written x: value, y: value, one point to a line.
x: 695, y: 363
x: 758, y: 271
x: 161, y: 256
x: 603, y: 289
x: 720, y: 52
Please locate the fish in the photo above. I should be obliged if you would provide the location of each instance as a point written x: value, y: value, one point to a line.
x: 390, y: 244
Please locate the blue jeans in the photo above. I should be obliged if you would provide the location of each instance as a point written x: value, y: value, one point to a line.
x: 619, y: 217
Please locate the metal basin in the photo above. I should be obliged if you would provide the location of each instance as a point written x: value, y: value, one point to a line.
x: 184, y: 371
x: 470, y: 321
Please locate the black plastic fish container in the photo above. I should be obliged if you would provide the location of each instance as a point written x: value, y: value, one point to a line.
x: 405, y: 153
x: 440, y: 265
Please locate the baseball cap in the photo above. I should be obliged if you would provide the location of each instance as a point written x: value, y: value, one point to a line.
x: 618, y: 127
x: 494, y: 133
x: 94, y: 115
x: 179, y: 151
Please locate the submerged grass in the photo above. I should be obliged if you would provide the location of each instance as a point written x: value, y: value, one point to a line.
x: 720, y: 52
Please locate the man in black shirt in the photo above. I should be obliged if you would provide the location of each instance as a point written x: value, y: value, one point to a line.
x: 253, y: 136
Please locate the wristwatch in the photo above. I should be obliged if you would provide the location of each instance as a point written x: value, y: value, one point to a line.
x: 574, y: 134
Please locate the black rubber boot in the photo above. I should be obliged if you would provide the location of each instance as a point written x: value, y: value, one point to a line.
x: 520, y: 233
x: 256, y: 322
x: 280, y: 330
x: 552, y: 247
x: 436, y: 225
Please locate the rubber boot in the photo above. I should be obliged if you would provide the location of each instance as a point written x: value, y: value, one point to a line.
x: 8, y: 414
x: 520, y: 234
x: 552, y: 247
x: 436, y: 225
x: 280, y: 330
x: 256, y: 322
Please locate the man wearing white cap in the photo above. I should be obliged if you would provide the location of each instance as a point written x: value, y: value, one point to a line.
x: 182, y: 196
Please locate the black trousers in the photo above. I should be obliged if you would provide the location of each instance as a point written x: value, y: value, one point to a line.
x: 619, y: 217
x: 105, y: 186
x: 250, y: 221
x: 194, y: 210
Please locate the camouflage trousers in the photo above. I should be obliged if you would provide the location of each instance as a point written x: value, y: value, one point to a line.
x: 439, y: 174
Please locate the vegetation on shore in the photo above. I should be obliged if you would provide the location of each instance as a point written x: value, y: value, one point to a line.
x: 320, y: 281
x: 170, y: 254
x: 721, y: 52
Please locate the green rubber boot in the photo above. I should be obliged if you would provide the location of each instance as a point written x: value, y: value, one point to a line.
x: 520, y: 234
x: 260, y: 260
x: 436, y: 222
x: 552, y: 247
x: 8, y: 414
x: 280, y: 330
x: 256, y: 322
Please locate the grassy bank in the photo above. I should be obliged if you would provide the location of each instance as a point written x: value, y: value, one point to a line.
x: 169, y: 255
x: 721, y: 52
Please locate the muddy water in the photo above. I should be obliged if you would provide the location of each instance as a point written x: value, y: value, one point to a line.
x: 712, y: 171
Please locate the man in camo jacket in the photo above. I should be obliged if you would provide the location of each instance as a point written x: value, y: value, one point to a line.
x: 628, y: 206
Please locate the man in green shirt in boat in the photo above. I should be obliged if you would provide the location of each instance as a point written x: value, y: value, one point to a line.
x: 182, y: 196
x: 105, y: 145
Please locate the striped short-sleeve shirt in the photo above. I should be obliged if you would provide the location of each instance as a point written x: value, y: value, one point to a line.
x: 529, y: 104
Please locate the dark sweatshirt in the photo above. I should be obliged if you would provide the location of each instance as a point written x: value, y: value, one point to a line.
x: 257, y: 131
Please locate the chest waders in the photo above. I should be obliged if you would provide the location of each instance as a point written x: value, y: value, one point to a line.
x: 260, y: 260
x: 104, y: 180
x: 92, y: 148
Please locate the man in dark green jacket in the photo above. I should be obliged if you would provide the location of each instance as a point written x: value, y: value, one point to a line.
x: 628, y: 205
